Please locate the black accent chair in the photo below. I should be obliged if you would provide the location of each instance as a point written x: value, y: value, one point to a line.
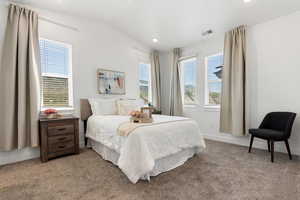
x: 276, y: 127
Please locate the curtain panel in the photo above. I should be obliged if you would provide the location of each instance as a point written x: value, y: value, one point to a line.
x: 176, y: 106
x: 155, y: 80
x: 19, y: 81
x: 233, y: 116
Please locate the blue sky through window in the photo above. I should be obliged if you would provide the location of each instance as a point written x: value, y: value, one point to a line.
x: 215, y: 87
x: 190, y: 72
x: 144, y: 73
x: 212, y: 63
x: 54, y: 58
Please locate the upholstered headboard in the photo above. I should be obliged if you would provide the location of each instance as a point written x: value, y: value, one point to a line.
x: 85, y: 113
x: 85, y: 109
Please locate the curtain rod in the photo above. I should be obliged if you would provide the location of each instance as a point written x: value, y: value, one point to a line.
x: 45, y: 18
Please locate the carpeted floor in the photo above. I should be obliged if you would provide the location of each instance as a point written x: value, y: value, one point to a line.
x: 224, y: 172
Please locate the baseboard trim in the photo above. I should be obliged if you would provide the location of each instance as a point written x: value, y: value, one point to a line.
x: 244, y: 141
x: 19, y: 155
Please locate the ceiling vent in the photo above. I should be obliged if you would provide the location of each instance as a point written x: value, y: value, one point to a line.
x: 207, y: 33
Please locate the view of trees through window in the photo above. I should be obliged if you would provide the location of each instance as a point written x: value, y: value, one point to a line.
x: 145, y: 81
x: 189, y: 71
x: 214, y: 67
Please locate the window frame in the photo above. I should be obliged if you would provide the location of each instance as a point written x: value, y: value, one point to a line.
x: 185, y: 59
x: 207, y: 105
x: 150, y: 98
x: 69, y: 77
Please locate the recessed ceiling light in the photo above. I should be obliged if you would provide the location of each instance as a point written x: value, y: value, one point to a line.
x: 247, y: 1
x: 155, y: 40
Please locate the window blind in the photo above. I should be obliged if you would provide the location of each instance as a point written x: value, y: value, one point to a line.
x: 55, y: 74
x: 55, y: 91
x: 54, y: 58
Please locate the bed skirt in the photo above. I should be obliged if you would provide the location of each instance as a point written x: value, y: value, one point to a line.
x: 161, y: 165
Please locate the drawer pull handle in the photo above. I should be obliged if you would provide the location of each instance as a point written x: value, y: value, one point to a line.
x: 61, y: 147
x: 61, y: 129
x: 63, y: 138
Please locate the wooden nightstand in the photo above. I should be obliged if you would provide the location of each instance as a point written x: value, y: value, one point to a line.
x: 58, y: 137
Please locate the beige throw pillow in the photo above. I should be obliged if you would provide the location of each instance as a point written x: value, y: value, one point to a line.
x: 103, y: 106
x: 126, y: 106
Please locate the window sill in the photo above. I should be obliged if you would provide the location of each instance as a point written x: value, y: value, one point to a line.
x: 60, y: 109
x: 190, y: 105
x: 211, y: 108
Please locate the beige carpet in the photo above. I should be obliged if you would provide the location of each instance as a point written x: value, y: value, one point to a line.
x: 224, y: 172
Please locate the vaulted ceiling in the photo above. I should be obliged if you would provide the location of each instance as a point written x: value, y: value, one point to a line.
x: 175, y: 23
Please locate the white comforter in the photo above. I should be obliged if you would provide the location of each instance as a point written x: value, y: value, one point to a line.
x: 146, y: 144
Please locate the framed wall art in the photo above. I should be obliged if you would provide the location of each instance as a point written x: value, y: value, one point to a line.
x: 111, y: 82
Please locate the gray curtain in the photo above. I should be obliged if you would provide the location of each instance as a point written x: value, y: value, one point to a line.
x: 155, y: 80
x: 19, y: 81
x: 233, y: 83
x: 176, y: 107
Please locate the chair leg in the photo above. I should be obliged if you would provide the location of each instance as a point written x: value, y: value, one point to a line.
x: 251, y: 142
x: 288, y: 148
x: 272, y: 151
x: 85, y: 141
x: 269, y: 148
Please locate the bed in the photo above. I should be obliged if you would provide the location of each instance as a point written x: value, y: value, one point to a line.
x: 149, y: 150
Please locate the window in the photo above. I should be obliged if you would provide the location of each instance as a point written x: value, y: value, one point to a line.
x: 145, y: 82
x: 189, y: 80
x: 214, y: 67
x: 56, y: 71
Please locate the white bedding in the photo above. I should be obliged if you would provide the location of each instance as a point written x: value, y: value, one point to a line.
x: 144, y: 145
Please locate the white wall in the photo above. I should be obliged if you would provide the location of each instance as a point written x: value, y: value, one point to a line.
x: 95, y: 45
x: 273, y: 68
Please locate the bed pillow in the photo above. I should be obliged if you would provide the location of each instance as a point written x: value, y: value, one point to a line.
x: 126, y: 106
x: 103, y: 106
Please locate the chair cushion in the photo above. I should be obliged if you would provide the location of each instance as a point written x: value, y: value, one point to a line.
x: 267, y: 134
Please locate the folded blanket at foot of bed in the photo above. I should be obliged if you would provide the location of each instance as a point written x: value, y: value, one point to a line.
x: 127, y: 128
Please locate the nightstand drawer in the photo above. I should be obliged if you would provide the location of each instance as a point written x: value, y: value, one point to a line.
x: 61, y: 146
x: 61, y: 153
x: 60, y: 138
x: 60, y: 129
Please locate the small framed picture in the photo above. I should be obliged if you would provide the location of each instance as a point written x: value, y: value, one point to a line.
x: 147, y: 111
